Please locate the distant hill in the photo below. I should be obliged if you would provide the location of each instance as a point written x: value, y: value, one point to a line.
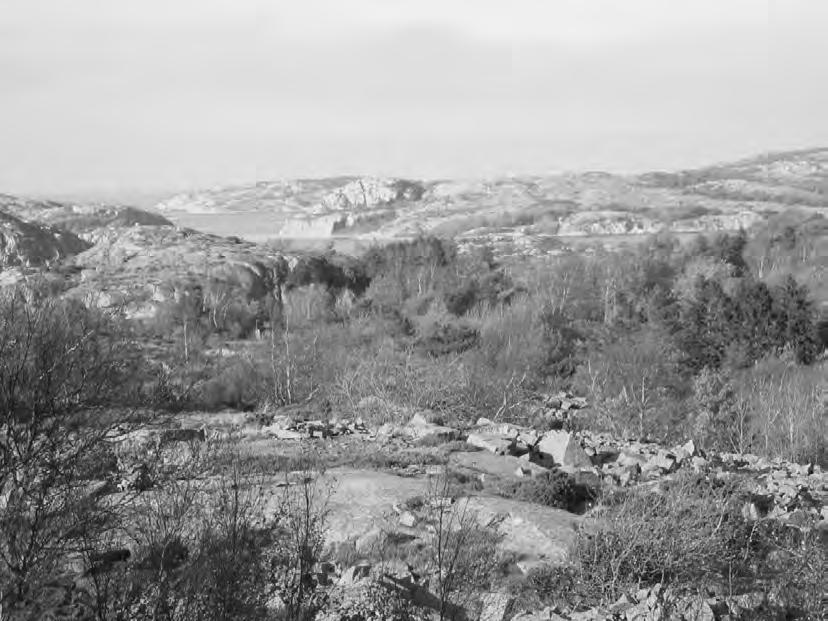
x: 85, y: 220
x: 114, y: 253
x: 516, y: 214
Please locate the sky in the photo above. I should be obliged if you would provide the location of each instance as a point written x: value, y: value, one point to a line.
x: 116, y: 97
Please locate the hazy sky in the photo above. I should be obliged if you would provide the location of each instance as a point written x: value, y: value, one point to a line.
x: 103, y: 95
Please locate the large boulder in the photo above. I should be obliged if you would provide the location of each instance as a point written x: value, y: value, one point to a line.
x: 419, y: 428
x: 486, y: 463
x: 502, y: 438
x: 563, y: 449
x: 494, y: 443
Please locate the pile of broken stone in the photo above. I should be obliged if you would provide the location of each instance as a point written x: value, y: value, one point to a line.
x: 352, y: 588
x: 659, y: 603
x: 778, y: 489
x: 285, y: 428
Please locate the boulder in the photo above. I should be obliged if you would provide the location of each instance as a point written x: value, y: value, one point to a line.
x: 355, y: 574
x: 698, y: 610
x: 663, y: 460
x: 495, y: 606
x: 628, y: 457
x: 628, y: 474
x: 497, y: 444
x: 280, y: 433
x: 690, y: 448
x: 547, y: 614
x: 503, y: 466
x: 564, y: 449
x: 699, y: 463
x: 419, y: 427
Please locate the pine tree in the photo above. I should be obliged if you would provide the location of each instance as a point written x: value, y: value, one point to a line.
x: 798, y: 320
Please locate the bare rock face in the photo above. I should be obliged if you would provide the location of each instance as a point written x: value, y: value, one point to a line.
x: 370, y: 193
x: 539, y: 535
x: 26, y: 244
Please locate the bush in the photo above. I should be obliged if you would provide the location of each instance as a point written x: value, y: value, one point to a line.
x: 299, y: 528
x: 243, y: 384
x: 551, y: 489
x: 372, y: 601
x: 558, y: 586
x: 691, y: 535
x: 61, y: 364
x: 199, y: 549
x: 460, y: 556
x: 440, y: 337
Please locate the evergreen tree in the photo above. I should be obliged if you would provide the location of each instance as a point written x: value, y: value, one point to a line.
x: 756, y: 328
x: 730, y: 249
x: 705, y: 325
x: 798, y: 320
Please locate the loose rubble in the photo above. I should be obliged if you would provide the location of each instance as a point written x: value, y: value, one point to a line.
x: 658, y: 603
x: 772, y: 489
x: 284, y: 428
x: 777, y: 488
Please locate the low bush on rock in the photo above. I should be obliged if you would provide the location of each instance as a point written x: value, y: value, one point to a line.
x: 553, y: 488
x: 691, y: 535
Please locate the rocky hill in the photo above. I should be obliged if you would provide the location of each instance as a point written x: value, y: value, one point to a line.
x: 116, y: 252
x: 84, y: 220
x: 523, y: 214
x: 26, y: 244
x: 111, y: 255
x: 146, y: 265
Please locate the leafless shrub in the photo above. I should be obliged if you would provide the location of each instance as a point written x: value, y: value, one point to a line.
x: 61, y: 364
x: 787, y: 409
x: 461, y: 556
x: 299, y: 526
x: 691, y: 536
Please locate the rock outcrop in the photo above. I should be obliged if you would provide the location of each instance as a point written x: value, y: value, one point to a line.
x: 370, y: 193
x: 26, y: 244
x: 86, y: 220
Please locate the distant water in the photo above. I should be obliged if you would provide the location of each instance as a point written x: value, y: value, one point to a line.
x: 255, y: 226
x: 261, y: 227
